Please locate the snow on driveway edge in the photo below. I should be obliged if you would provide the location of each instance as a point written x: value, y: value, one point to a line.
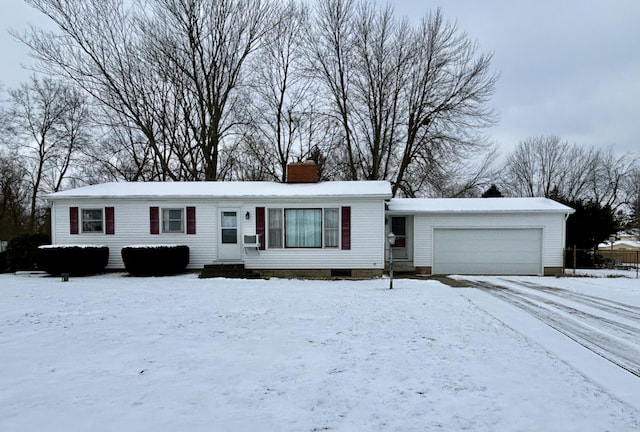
x: 620, y: 383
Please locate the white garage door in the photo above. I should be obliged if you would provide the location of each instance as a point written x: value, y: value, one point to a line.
x: 487, y: 251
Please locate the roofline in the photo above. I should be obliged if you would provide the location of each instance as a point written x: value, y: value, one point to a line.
x: 567, y: 210
x: 201, y: 196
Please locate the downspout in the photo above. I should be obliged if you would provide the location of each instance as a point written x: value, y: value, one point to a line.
x: 52, y: 216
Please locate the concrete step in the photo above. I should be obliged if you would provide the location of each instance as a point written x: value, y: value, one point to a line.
x: 233, y: 271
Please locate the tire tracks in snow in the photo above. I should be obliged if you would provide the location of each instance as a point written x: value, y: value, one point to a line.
x: 612, y: 306
x: 598, y: 334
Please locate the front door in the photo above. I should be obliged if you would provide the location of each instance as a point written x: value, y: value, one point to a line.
x: 229, y: 247
x: 399, y: 228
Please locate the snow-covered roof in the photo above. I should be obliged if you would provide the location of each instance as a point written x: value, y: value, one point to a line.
x: 477, y: 205
x: 621, y: 244
x: 381, y: 189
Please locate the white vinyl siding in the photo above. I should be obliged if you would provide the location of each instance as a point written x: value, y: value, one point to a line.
x: 552, y: 226
x: 367, y: 243
x: 132, y: 228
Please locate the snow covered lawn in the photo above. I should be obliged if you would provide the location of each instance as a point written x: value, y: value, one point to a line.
x: 112, y: 353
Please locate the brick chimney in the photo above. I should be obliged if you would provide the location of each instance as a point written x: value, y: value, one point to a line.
x: 302, y: 172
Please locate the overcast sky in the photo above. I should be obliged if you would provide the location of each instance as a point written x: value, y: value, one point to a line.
x: 567, y: 67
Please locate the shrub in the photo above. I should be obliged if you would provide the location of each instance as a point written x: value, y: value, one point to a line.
x: 21, y: 253
x: 3, y: 262
x: 155, y: 260
x: 76, y: 260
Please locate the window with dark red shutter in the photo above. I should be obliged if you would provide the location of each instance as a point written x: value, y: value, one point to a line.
x: 260, y: 227
x: 346, y: 228
x: 73, y: 220
x: 109, y: 217
x: 154, y: 220
x: 191, y: 220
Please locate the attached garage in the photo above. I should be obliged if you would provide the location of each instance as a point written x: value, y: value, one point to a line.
x: 487, y: 251
x: 493, y: 236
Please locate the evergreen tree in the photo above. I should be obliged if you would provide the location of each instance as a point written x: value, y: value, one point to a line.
x: 590, y: 225
x: 492, y: 192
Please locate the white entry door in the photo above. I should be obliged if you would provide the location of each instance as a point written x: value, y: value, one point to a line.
x: 229, y: 246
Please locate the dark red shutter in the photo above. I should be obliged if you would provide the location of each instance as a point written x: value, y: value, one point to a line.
x: 191, y: 220
x: 109, y: 218
x: 154, y: 220
x: 73, y: 220
x: 346, y: 228
x: 260, y: 226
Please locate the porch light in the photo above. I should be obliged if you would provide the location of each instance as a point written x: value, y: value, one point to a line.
x: 392, y: 240
x: 247, y: 215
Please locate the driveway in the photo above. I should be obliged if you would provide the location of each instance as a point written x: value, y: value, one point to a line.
x: 607, y: 327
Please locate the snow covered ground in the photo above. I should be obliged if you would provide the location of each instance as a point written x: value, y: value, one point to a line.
x: 113, y: 352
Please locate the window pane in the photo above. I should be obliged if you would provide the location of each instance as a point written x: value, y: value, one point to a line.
x: 331, y: 224
x: 91, y: 220
x: 398, y: 225
x: 275, y: 228
x: 303, y: 228
x: 229, y: 235
x: 172, y: 220
x: 229, y: 220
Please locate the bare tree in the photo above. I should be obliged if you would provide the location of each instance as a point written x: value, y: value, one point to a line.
x: 331, y: 55
x: 281, y: 101
x: 446, y: 112
x: 632, y: 197
x: 167, y: 70
x: 347, y: 84
x: 611, y: 177
x: 207, y: 45
x: 14, y: 196
x: 546, y: 166
x: 409, y: 101
x: 48, y: 125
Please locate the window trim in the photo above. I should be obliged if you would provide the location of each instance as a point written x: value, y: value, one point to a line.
x: 82, y: 220
x: 235, y: 228
x: 268, y: 228
x: 337, y: 228
x: 283, y: 228
x: 162, y: 220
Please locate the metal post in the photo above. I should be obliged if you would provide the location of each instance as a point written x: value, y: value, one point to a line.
x: 390, y: 267
x: 574, y: 259
x: 392, y: 240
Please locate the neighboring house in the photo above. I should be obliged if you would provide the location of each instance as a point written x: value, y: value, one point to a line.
x: 480, y: 235
x: 619, y: 245
x: 624, y: 251
x: 319, y: 229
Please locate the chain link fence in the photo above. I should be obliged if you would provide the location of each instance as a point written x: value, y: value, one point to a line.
x: 619, y: 259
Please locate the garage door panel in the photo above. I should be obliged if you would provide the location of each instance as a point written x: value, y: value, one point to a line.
x: 487, y: 251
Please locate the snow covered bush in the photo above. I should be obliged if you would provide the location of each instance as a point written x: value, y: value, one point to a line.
x: 152, y: 260
x: 73, y: 259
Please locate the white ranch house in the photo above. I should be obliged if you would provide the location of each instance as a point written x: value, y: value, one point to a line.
x: 317, y: 229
